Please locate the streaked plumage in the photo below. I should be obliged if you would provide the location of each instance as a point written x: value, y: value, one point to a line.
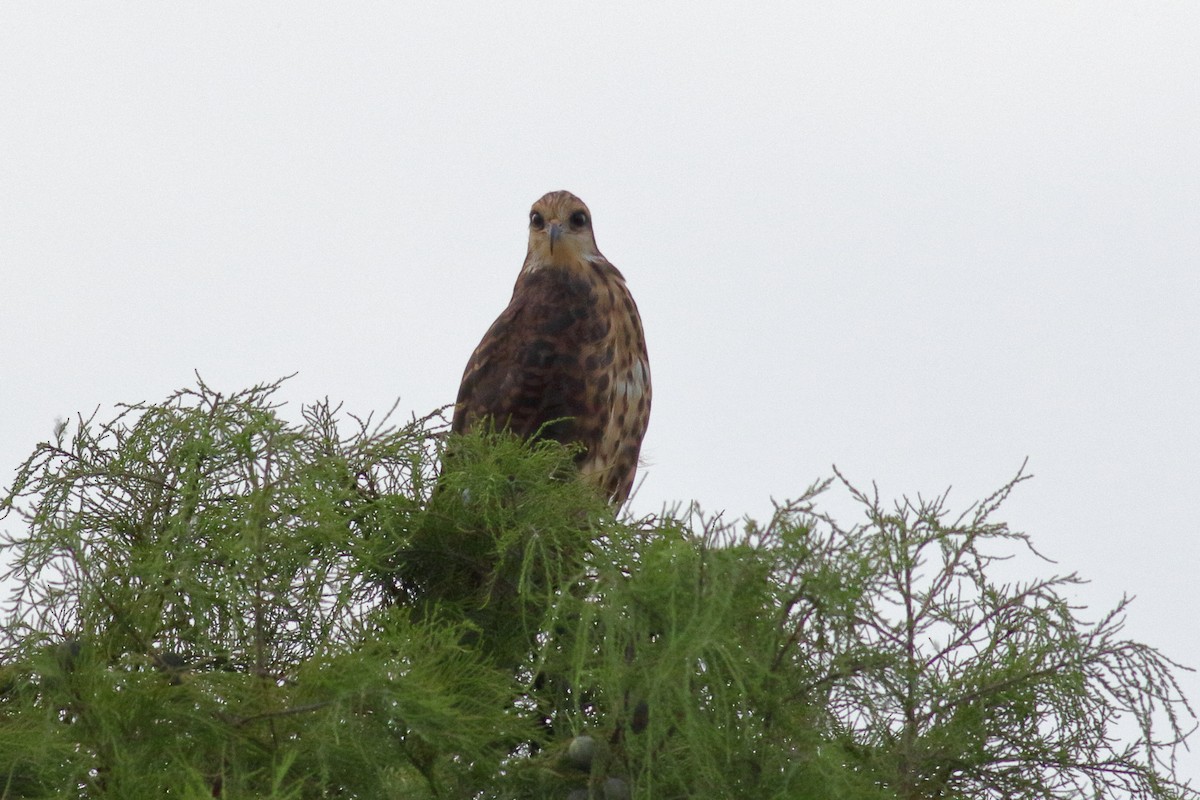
x: 567, y: 359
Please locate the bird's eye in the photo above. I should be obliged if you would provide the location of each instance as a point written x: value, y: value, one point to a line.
x: 536, y: 221
x: 578, y: 219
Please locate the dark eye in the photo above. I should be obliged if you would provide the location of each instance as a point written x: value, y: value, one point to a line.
x: 536, y: 221
x: 578, y: 219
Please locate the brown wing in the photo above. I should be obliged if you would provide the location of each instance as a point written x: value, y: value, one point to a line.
x: 612, y: 463
x: 566, y: 361
x: 527, y: 373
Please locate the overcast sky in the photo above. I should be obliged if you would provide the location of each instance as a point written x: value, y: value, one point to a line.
x: 920, y: 242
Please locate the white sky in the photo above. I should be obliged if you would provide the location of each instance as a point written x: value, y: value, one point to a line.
x: 921, y: 242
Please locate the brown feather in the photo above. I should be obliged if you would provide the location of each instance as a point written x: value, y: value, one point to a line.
x: 566, y: 360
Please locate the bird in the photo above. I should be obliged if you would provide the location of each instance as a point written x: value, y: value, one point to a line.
x: 566, y: 360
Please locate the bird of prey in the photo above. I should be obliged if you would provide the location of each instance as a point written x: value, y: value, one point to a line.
x: 567, y: 359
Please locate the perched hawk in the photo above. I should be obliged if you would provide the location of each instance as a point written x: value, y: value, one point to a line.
x: 567, y: 358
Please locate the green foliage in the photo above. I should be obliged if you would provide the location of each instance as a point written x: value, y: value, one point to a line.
x: 210, y: 601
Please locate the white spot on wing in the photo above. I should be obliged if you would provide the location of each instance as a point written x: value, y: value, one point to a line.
x: 634, y: 386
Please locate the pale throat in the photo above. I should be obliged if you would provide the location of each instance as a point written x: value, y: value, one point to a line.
x: 568, y: 252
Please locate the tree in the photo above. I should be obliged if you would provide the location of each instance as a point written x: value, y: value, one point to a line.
x: 210, y: 601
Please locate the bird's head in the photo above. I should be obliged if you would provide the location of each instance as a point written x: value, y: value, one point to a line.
x: 560, y: 232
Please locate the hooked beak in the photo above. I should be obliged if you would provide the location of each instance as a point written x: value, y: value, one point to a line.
x: 555, y: 233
